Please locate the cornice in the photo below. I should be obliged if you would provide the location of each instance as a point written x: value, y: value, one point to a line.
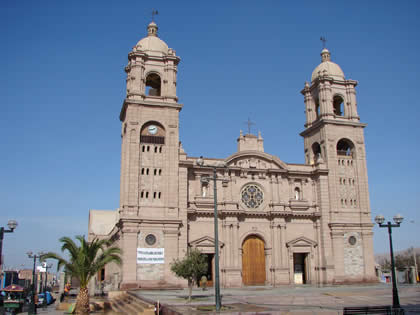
x: 137, y: 221
x: 322, y: 122
x: 146, y: 103
x: 146, y: 56
x: 344, y: 226
x: 253, y: 214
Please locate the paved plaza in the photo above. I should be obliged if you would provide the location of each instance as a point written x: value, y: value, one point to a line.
x: 289, y: 299
x: 282, y: 300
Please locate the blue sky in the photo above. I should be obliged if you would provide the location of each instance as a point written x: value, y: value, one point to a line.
x: 62, y: 85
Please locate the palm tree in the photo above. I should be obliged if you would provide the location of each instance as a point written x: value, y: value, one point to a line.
x: 84, y: 262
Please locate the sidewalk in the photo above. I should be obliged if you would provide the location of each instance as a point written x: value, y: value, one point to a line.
x: 289, y: 299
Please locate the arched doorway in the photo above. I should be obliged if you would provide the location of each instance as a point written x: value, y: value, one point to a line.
x: 253, y: 261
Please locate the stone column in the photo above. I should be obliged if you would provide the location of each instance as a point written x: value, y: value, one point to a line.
x: 338, y: 251
x: 275, y: 247
x: 369, y: 260
x: 283, y: 245
x: 129, y: 255
x: 171, y: 252
x: 236, y: 244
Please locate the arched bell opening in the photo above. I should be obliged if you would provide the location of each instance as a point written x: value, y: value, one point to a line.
x: 345, y: 148
x: 338, y: 105
x: 153, y: 84
x: 316, y: 151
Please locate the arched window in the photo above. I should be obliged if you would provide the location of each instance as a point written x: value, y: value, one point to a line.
x: 345, y: 147
x: 153, y: 83
x: 297, y: 193
x: 316, y: 150
x: 338, y: 105
x: 153, y: 133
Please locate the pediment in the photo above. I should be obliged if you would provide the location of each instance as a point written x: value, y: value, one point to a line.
x: 255, y: 159
x: 205, y: 241
x: 301, y: 242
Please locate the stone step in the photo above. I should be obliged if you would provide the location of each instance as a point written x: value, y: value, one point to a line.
x: 130, y: 304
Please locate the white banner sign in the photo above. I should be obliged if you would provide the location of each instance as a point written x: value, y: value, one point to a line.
x: 41, y: 269
x: 150, y: 255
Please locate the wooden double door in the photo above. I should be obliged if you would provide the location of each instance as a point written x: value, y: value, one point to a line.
x: 253, y: 261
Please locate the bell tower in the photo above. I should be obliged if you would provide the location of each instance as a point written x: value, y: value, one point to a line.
x: 334, y: 138
x: 149, y: 211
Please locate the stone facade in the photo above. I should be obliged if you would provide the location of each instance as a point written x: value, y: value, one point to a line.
x: 278, y: 223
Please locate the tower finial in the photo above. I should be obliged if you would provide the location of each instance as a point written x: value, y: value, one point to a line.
x: 325, y: 53
x: 323, y: 40
x: 249, y: 123
x: 154, y: 12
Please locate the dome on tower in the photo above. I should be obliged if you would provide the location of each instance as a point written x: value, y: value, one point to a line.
x: 327, y: 67
x: 152, y: 44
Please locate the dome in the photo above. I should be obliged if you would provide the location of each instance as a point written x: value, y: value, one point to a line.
x: 327, y: 67
x: 152, y: 43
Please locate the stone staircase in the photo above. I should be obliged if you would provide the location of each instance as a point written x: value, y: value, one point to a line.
x: 129, y: 303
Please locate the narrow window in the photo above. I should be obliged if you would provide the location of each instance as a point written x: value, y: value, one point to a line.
x: 338, y: 105
x: 154, y: 195
x: 156, y: 149
x: 142, y: 148
x: 297, y: 193
x: 147, y: 171
x: 147, y: 194
x: 159, y: 194
x: 160, y: 172
x: 160, y: 150
x: 142, y: 194
x: 142, y: 171
x: 317, y: 110
x: 148, y: 148
x: 154, y: 171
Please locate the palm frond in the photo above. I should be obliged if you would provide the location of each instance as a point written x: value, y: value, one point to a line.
x: 85, y: 259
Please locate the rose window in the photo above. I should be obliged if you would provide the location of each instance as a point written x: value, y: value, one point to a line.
x: 252, y: 196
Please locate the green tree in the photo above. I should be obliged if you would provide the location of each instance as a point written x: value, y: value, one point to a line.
x: 84, y: 262
x: 191, y: 267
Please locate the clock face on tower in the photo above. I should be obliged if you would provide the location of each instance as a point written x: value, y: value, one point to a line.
x: 152, y: 129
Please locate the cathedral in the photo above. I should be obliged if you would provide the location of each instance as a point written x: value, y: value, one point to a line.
x: 278, y: 223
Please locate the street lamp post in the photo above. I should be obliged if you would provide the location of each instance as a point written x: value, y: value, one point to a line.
x: 398, y: 220
x: 200, y: 162
x: 32, y: 307
x: 47, y: 266
x: 12, y: 224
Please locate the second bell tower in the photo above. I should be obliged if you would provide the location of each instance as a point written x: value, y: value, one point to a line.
x: 334, y: 136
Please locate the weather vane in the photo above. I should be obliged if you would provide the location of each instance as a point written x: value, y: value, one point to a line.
x: 323, y: 40
x: 249, y: 123
x: 154, y: 12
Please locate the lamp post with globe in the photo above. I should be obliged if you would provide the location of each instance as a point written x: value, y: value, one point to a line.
x: 12, y: 224
x: 398, y: 220
x: 200, y: 163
